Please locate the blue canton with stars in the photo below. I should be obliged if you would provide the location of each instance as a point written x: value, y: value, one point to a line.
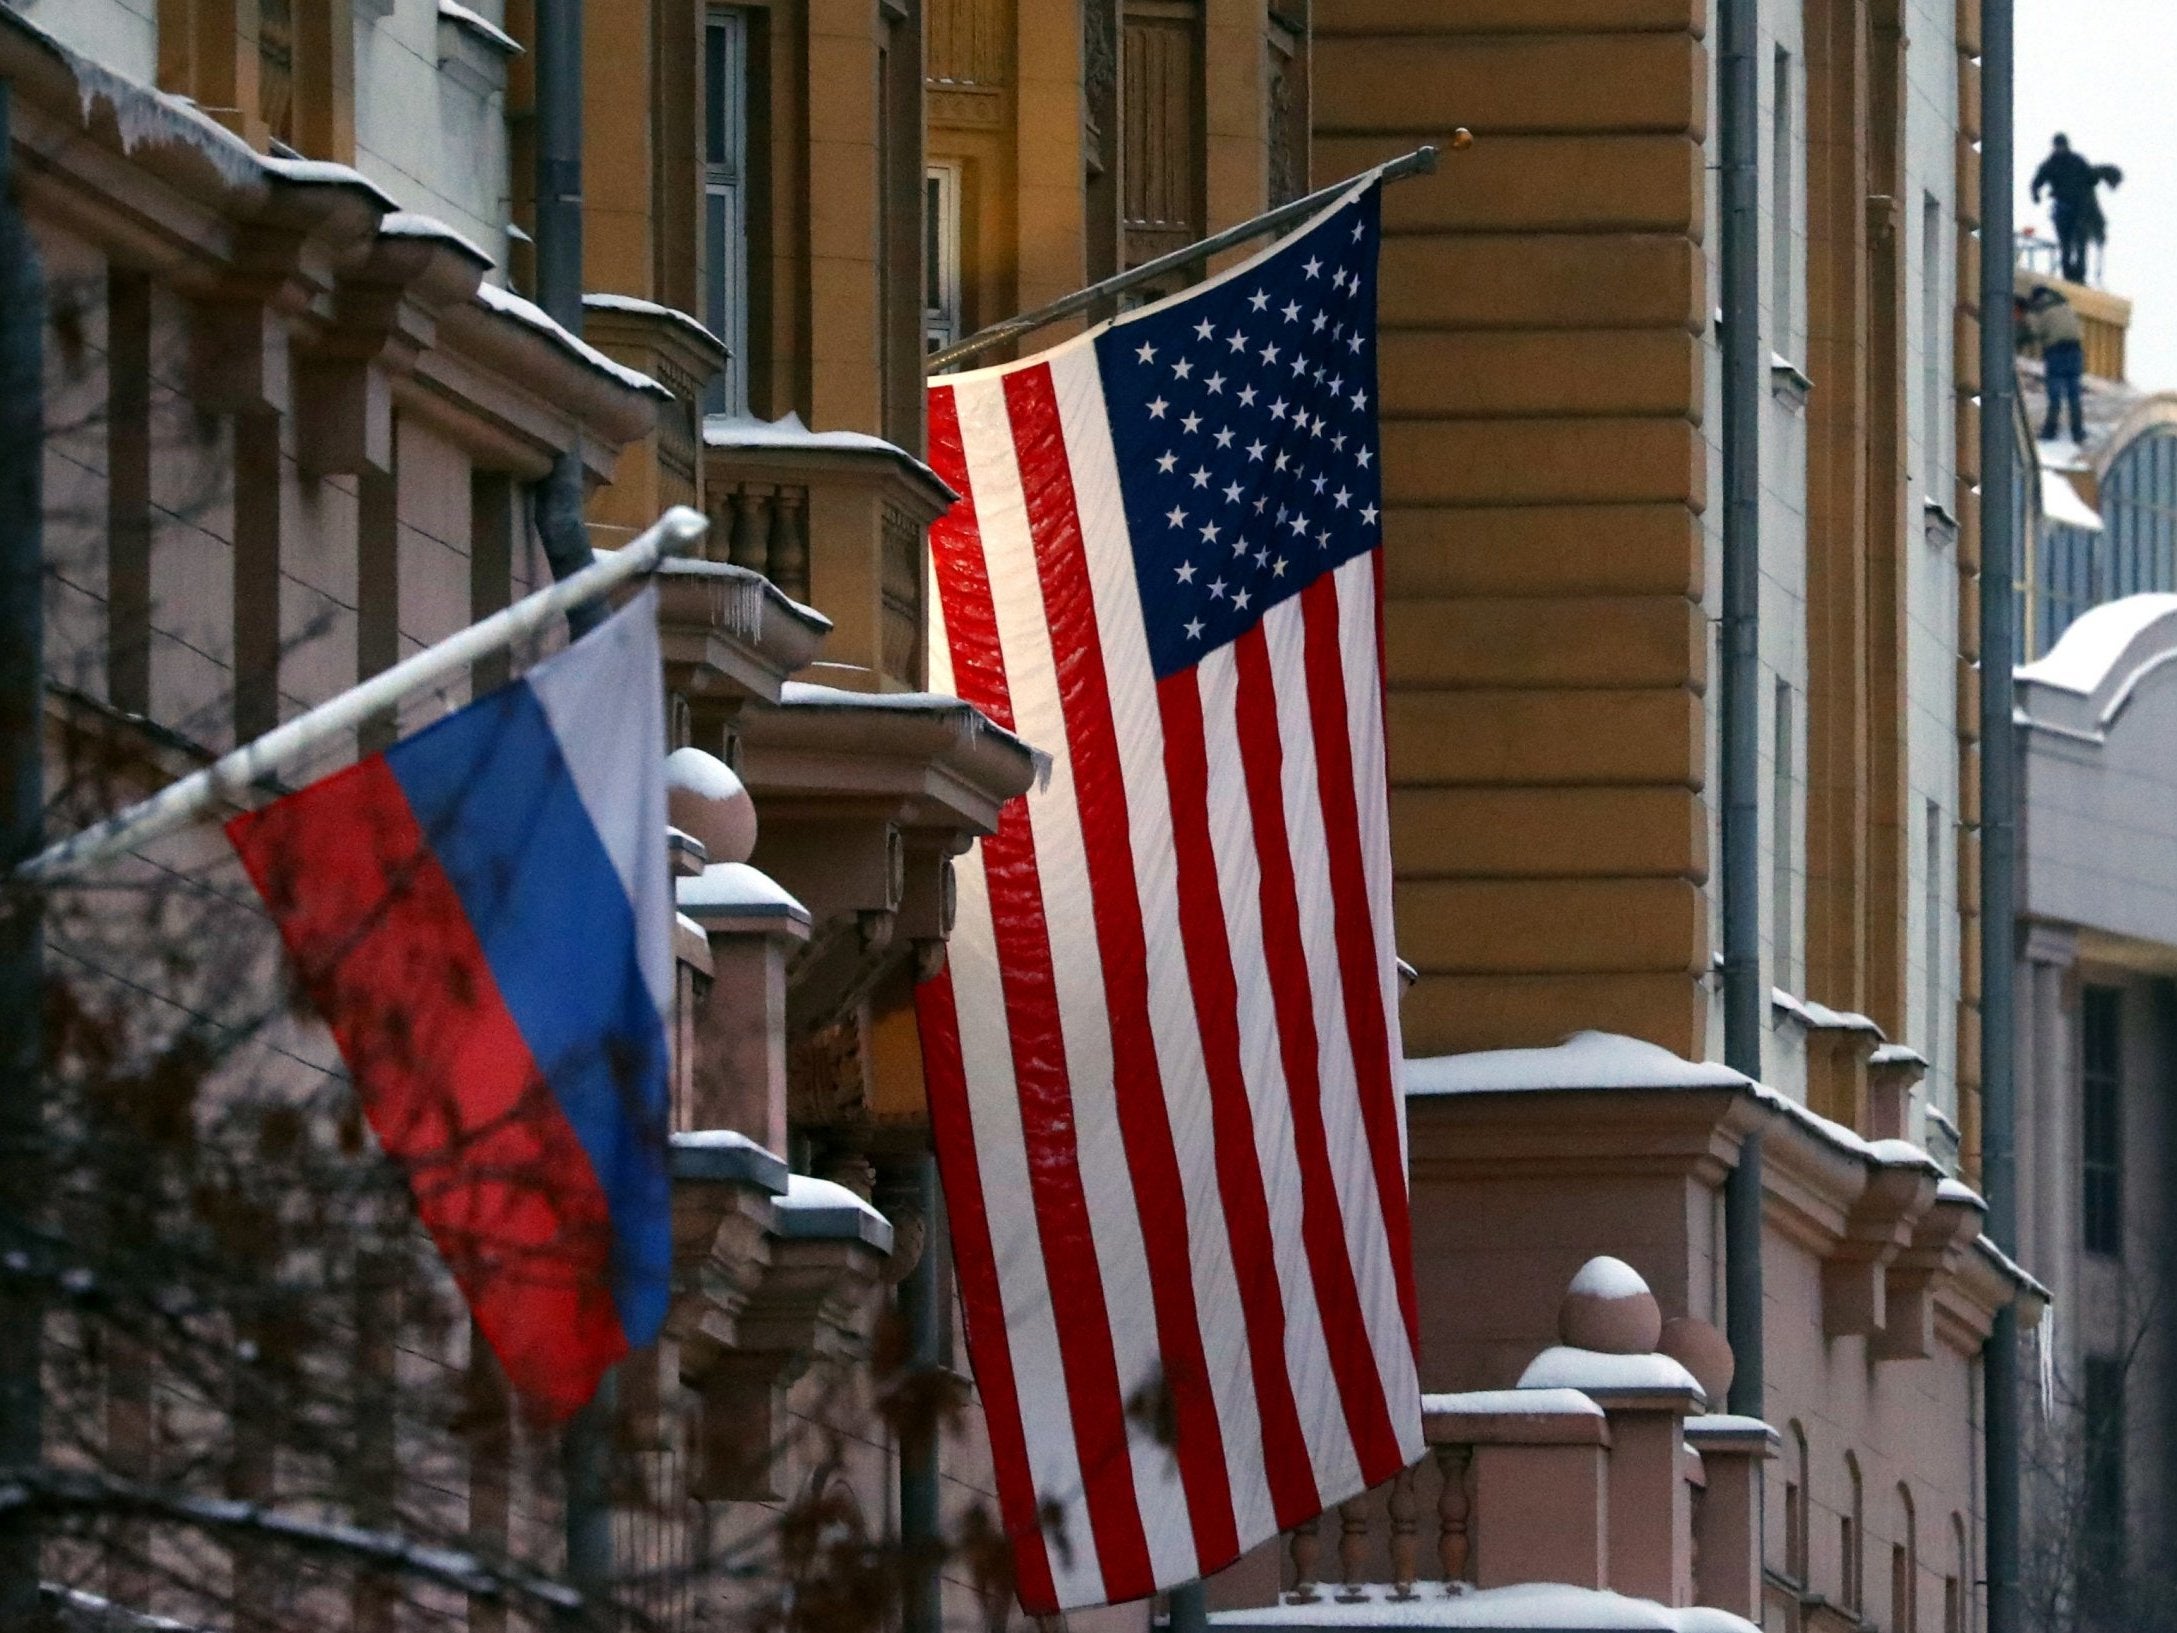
x: 1244, y: 419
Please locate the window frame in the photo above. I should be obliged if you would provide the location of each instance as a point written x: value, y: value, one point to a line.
x: 2101, y: 1120
x: 725, y: 171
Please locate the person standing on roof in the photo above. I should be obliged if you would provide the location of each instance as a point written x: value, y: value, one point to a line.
x: 2073, y: 206
x: 2051, y: 323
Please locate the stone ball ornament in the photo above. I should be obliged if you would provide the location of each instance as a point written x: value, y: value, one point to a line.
x: 707, y: 801
x: 1609, y: 1308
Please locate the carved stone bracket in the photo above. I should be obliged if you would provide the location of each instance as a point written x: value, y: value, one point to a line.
x: 1880, y: 1224
x: 810, y: 1305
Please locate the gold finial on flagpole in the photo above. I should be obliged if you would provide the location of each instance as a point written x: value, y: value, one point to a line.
x: 1461, y: 139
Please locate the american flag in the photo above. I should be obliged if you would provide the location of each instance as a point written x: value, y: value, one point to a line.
x: 1163, y: 1055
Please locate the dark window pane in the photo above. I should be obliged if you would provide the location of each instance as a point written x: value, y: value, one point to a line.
x: 2101, y: 1083
x: 716, y: 92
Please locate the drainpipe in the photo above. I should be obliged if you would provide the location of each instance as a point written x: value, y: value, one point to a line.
x: 22, y: 824
x: 558, y: 498
x: 924, y: 1314
x: 586, y: 1442
x: 1999, y: 801
x: 1744, y: 1002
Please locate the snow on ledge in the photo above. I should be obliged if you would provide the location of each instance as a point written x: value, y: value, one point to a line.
x: 2095, y: 643
x: 1534, y: 1607
x: 788, y: 432
x: 1592, y: 1372
x: 1586, y: 1060
x: 1535, y: 1403
x: 734, y: 890
x: 522, y: 311
x: 452, y: 11
x: 825, y: 1210
x: 412, y: 224
x: 639, y: 307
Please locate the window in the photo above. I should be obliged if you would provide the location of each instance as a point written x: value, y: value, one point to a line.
x: 1905, y: 1568
x: 1851, y: 1538
x: 1795, y: 1508
x: 1932, y: 910
x: 1161, y: 139
x: 1932, y: 344
x: 1780, y: 840
x: 2101, y: 1085
x: 1782, y: 217
x: 725, y: 201
x: 2102, y: 1558
x: 941, y: 257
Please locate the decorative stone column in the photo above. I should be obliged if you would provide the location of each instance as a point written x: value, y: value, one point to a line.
x: 1611, y: 1328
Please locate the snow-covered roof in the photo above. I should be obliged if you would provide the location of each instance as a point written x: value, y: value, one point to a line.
x: 727, y: 1154
x: 823, y: 1210
x: 1597, y: 1372
x: 1533, y: 1607
x: 1586, y: 1060
x: 608, y: 302
x: 788, y: 432
x: 2061, y: 504
x: 2095, y: 642
x: 525, y: 311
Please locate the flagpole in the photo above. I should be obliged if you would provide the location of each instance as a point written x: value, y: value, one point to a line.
x: 230, y: 778
x: 1420, y: 162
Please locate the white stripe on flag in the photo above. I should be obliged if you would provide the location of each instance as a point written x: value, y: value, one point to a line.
x: 1359, y: 1207
x: 1001, y: 1152
x: 1307, y: 1353
x: 1140, y: 731
x: 1076, y: 966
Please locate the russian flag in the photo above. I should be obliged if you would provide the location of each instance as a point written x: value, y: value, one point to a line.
x: 483, y: 915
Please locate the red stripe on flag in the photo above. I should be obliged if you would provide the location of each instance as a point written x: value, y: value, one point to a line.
x: 501, y: 1181
x: 1071, y: 1270
x: 1352, y: 1358
x: 1290, y: 1471
x: 1360, y: 976
x: 982, y: 1304
x: 1092, y: 743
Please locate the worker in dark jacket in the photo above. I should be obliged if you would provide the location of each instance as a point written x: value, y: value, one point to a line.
x: 2071, y: 182
x: 2051, y: 323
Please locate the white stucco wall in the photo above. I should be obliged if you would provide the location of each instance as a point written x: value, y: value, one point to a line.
x: 1931, y: 588
x: 430, y: 125
x: 1783, y: 542
x: 122, y: 35
x: 1931, y: 659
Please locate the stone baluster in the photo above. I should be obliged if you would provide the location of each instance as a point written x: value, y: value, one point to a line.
x: 746, y: 545
x: 1453, y: 1512
x: 1404, y: 1541
x: 1306, y: 1545
x: 1352, y: 1548
x: 789, y: 567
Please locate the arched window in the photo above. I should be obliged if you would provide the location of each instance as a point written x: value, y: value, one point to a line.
x: 1905, y: 1567
x: 1796, y: 1495
x: 1852, y: 1538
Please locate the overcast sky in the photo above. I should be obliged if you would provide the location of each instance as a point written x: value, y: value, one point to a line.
x: 2102, y: 71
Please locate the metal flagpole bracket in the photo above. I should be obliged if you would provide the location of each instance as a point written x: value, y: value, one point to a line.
x: 229, y: 779
x: 1420, y: 162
